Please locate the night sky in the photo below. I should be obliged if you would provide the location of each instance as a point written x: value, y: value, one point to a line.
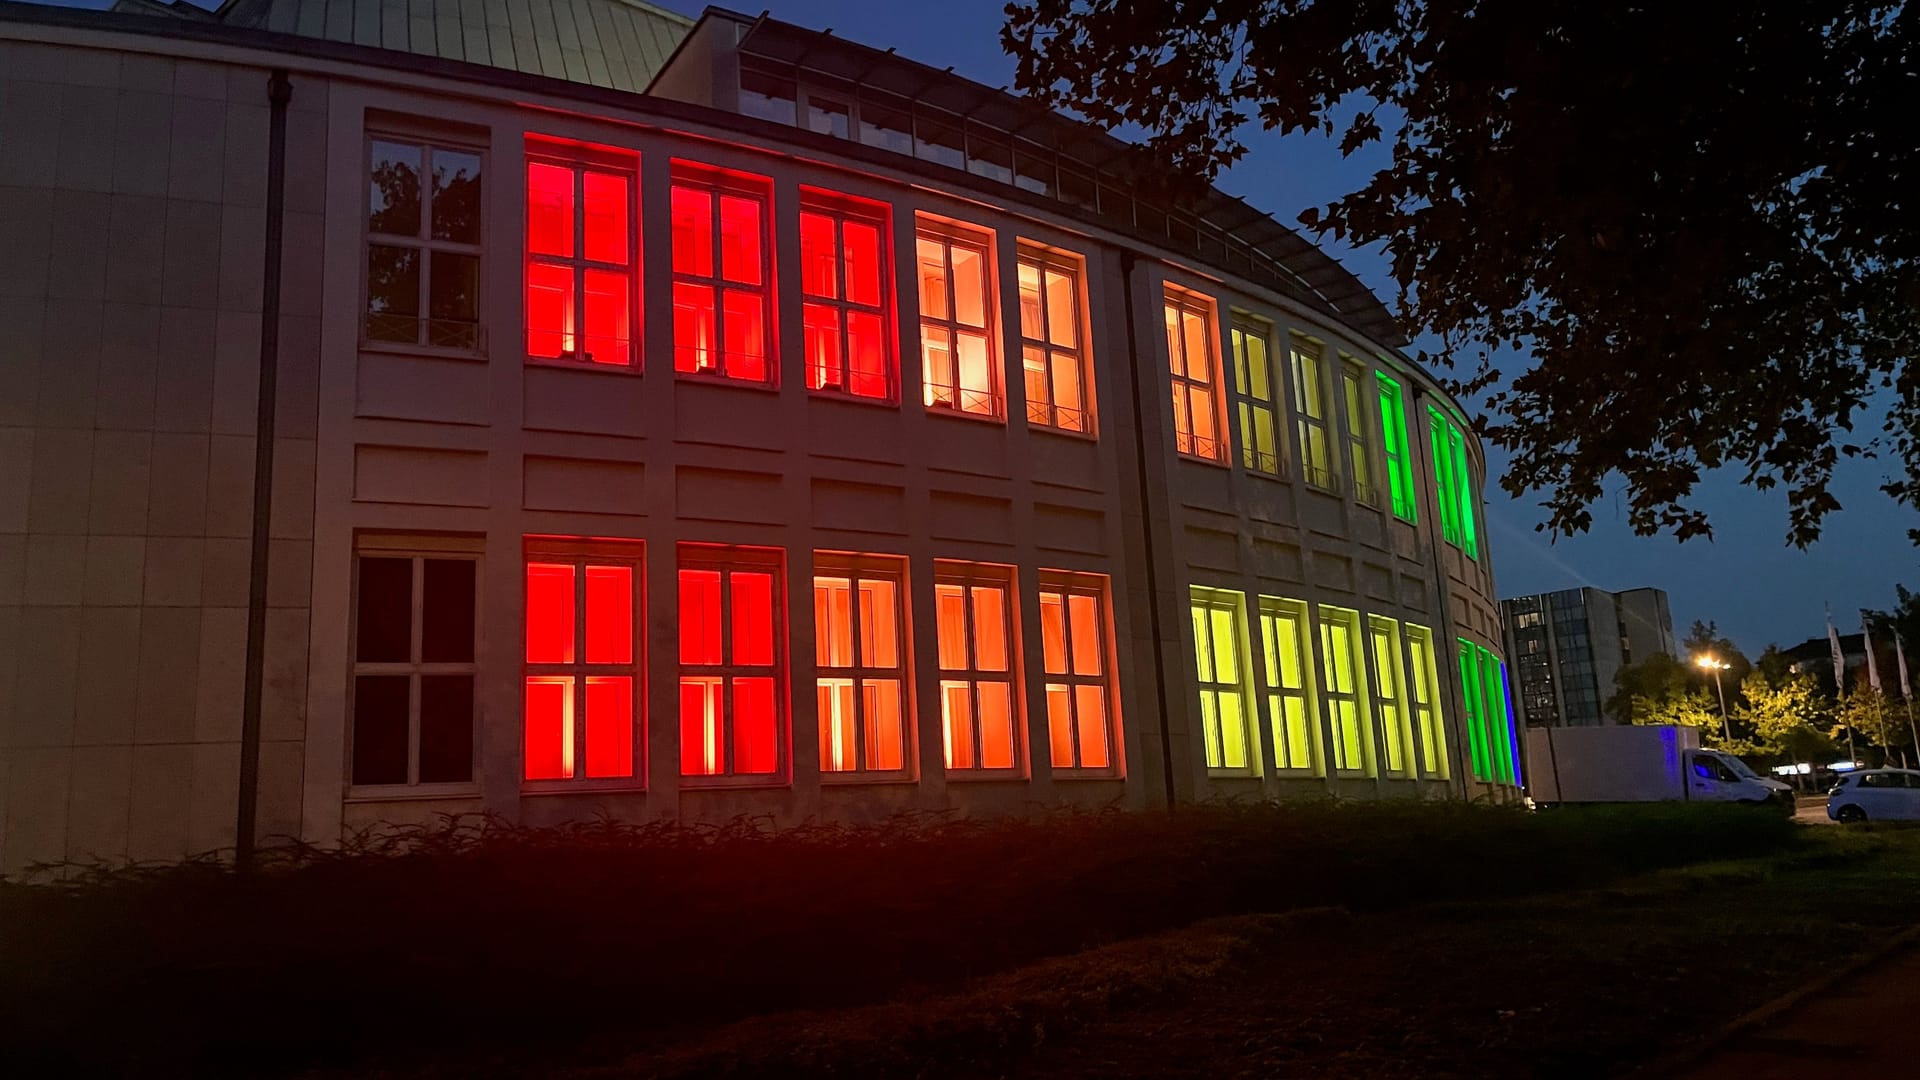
x: 1758, y: 589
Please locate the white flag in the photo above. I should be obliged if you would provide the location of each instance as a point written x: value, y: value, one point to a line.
x: 1900, y: 654
x: 1873, y: 667
x: 1839, y: 660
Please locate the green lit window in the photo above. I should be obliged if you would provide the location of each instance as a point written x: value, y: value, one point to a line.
x: 1389, y: 694
x: 1455, y: 481
x: 1218, y: 630
x: 1359, y: 440
x: 1423, y: 682
x: 1310, y: 409
x: 1253, y: 383
x: 1343, y: 665
x: 1289, y: 661
x: 1489, y: 721
x: 1393, y: 440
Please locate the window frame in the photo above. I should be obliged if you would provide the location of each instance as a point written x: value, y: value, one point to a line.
x: 728, y: 559
x: 1453, y: 477
x: 426, y: 139
x: 1045, y: 259
x: 418, y: 550
x: 1357, y: 696
x: 1249, y: 405
x: 1429, y: 728
x: 841, y: 208
x: 1206, y: 678
x: 1310, y: 410
x: 581, y: 159
x: 1362, y: 471
x: 951, y: 234
x: 1397, y: 449
x: 1067, y: 584
x: 1274, y: 611
x: 717, y: 182
x: 581, y: 554
x: 968, y: 576
x: 857, y: 568
x: 1183, y: 385
x: 1389, y: 697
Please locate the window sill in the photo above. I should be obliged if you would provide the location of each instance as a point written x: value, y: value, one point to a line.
x: 1232, y: 774
x: 1268, y: 477
x: 380, y: 793
x: 700, y: 378
x: 857, y: 780
x: 432, y: 352
x: 554, y: 363
x: 735, y: 783
x: 623, y: 785
x: 961, y: 414
x: 852, y: 399
x: 1218, y: 463
x: 1064, y: 433
x: 986, y: 776
x: 1087, y: 774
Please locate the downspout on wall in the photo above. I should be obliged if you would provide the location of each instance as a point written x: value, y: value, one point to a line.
x: 1128, y: 261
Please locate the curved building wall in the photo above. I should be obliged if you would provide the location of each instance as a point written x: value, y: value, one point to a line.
x: 414, y: 485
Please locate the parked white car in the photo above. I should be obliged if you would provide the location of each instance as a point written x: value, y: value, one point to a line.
x: 1876, y: 795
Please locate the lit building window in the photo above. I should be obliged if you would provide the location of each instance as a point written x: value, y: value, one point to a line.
x: 1218, y: 633
x: 1192, y: 362
x: 1424, y: 682
x: 1393, y: 439
x: 860, y: 660
x: 1310, y: 411
x: 721, y: 294
x: 973, y: 607
x: 732, y: 661
x: 1454, y: 481
x: 1359, y: 440
x: 580, y: 262
x: 413, y: 668
x: 1051, y: 352
x: 1389, y: 694
x: 1344, y: 682
x: 1491, y: 741
x: 844, y: 255
x: 1073, y: 634
x: 956, y: 347
x: 1253, y: 383
x: 582, y: 662
x: 1289, y: 667
x: 423, y: 244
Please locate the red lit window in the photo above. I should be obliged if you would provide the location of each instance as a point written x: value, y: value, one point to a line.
x: 861, y: 684
x: 582, y: 662
x: 732, y: 661
x: 973, y: 606
x: 1073, y: 636
x: 844, y: 246
x: 956, y: 345
x: 722, y: 297
x: 414, y: 631
x: 1193, y: 362
x: 1052, y: 355
x: 580, y: 262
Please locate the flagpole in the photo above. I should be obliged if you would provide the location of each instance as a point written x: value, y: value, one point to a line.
x: 1906, y: 694
x: 1840, y: 682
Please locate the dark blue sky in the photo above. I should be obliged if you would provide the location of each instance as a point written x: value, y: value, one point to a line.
x: 1752, y: 584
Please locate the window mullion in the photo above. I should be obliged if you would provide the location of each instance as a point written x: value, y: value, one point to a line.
x: 579, y: 681
x: 724, y: 714
x: 855, y: 658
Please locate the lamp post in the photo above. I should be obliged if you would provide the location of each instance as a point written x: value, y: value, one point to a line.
x: 1710, y: 662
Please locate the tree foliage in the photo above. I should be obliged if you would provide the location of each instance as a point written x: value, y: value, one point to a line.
x: 1694, y: 219
x: 1785, y: 717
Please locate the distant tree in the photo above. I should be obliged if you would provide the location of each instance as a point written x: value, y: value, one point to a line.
x: 1655, y: 679
x: 1782, y: 716
x: 1904, y: 621
x: 1774, y: 666
x: 1695, y: 709
x: 1875, y: 718
x: 1660, y: 678
x: 1694, y: 220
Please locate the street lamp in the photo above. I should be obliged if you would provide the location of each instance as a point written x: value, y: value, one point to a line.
x: 1710, y: 662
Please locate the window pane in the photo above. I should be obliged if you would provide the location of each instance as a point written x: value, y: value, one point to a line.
x: 1060, y: 742
x: 380, y: 729
x: 936, y: 367
x: 820, y: 340
x: 1256, y: 347
x: 1176, y: 358
x: 692, y: 231
x: 1202, y: 645
x: 868, y: 370
x: 700, y: 616
x: 446, y: 629
x: 1031, y: 314
x: 456, y: 196
x: 393, y: 205
x: 956, y: 716
x: 886, y: 735
x: 838, y: 726
x: 1053, y: 633
x: 550, y: 325
x: 700, y: 751
x: 607, y: 214
x: 833, y: 622
x: 969, y: 286
x: 1063, y: 310
x: 609, y: 726
x: 383, y: 631
x: 549, y: 209
x: 1090, y: 707
x: 752, y: 617
x: 828, y: 117
x: 996, y: 725
x: 609, y: 329
x: 879, y: 623
x: 693, y: 328
x: 453, y: 299
x: 1233, y: 732
x: 950, y: 608
x: 989, y: 628
x: 446, y: 728
x: 550, y: 614
x: 1033, y: 365
x: 746, y: 336
x: 755, y: 727
x: 818, y: 257
x: 862, y: 241
x: 1193, y: 326
x: 1200, y: 403
x: 1071, y: 412
x: 548, y: 742
x: 393, y: 293
x: 976, y: 374
x: 1226, y: 658
x: 1085, y: 610
x: 609, y: 614
x: 740, y: 240
x: 1210, y: 727
x: 932, y: 256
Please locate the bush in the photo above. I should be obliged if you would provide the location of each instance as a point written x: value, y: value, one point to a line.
x: 475, y: 934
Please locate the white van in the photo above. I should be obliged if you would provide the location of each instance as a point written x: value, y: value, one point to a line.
x: 1620, y: 763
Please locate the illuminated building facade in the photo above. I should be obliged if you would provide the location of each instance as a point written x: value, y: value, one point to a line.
x: 672, y: 419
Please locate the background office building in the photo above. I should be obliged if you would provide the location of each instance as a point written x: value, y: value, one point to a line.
x: 575, y: 409
x: 1566, y: 648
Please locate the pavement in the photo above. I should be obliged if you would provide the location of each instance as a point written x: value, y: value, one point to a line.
x: 1811, y: 810
x: 1859, y: 1027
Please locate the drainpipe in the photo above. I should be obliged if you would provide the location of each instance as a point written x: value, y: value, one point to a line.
x: 1154, y: 621
x: 279, y: 92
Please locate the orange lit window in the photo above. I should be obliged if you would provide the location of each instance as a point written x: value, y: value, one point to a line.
x: 860, y: 657
x: 844, y: 252
x: 973, y: 605
x: 1052, y: 354
x: 732, y: 653
x: 1191, y: 360
x: 580, y: 262
x: 1074, y: 647
x: 722, y: 297
x: 956, y: 344
x: 583, y: 662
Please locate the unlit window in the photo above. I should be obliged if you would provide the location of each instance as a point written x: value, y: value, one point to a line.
x: 413, y: 670
x: 423, y: 244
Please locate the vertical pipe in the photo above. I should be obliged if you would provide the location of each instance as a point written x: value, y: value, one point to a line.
x: 279, y: 92
x: 1128, y: 260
